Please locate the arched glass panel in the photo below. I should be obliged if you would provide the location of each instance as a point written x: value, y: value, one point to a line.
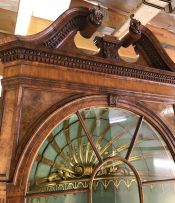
x: 112, y: 129
x: 161, y: 193
x: 150, y: 155
x: 68, y: 157
x: 115, y: 182
x: 63, y: 157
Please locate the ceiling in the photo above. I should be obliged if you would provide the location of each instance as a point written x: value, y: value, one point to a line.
x: 164, y: 20
x: 116, y: 8
x: 11, y: 5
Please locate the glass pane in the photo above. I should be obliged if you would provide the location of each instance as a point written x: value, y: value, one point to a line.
x: 66, y: 198
x: 63, y: 162
x: 115, y: 182
x: 66, y: 159
x: 161, y: 193
x: 150, y: 155
x: 112, y: 129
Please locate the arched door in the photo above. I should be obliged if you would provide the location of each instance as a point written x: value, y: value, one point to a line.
x: 102, y: 154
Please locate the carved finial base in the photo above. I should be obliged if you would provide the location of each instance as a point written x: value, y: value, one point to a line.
x: 112, y: 100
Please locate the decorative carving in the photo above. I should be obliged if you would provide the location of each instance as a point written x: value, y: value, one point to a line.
x: 154, y: 59
x: 24, y: 53
x: 54, y: 183
x: 79, y: 171
x: 93, y: 21
x: 108, y: 46
x: 76, y: 19
x: 96, y: 15
x: 85, y: 64
x: 134, y: 33
x: 135, y: 25
x: 82, y: 184
x: 113, y: 100
x: 87, y: 22
x: 73, y: 25
x: 83, y: 170
x: 152, y: 51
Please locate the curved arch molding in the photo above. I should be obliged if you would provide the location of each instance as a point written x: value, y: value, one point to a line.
x: 43, y: 129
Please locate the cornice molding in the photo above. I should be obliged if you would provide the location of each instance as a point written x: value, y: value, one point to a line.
x: 46, y: 46
x: 153, y: 52
x: 101, y: 66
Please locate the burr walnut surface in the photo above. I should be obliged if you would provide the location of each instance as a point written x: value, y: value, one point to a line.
x: 46, y: 78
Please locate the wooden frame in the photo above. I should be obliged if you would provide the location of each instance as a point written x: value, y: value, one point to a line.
x: 46, y: 78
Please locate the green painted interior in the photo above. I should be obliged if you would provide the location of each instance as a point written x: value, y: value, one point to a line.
x: 68, y: 198
x: 156, y: 194
x: 112, y: 130
x: 159, y: 194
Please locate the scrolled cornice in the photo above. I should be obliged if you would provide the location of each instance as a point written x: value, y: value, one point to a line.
x: 56, y: 34
x: 94, y: 65
x: 150, y: 48
x: 46, y: 46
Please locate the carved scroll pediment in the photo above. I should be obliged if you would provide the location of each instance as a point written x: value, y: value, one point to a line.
x: 61, y: 30
x: 147, y: 46
x: 152, y: 51
x: 144, y: 42
x: 57, y: 42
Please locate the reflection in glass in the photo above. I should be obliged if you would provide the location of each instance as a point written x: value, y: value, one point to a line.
x: 115, y: 182
x: 67, y: 160
x: 67, y: 198
x: 150, y: 155
x: 112, y: 129
x: 63, y: 160
x: 161, y: 193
